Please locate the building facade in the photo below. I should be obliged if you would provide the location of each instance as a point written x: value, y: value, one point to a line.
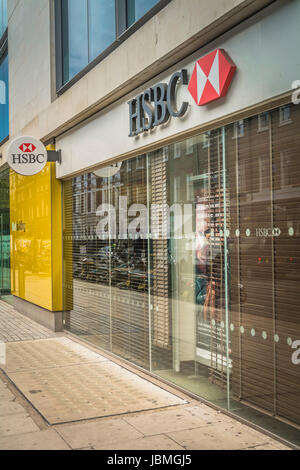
x: 169, y: 233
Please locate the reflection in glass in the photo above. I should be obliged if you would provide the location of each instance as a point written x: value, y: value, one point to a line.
x: 3, y: 16
x: 75, y: 44
x: 169, y: 297
x: 137, y: 8
x: 101, y: 15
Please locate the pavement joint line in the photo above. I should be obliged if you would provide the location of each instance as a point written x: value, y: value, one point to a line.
x: 174, y: 440
x: 62, y: 437
x: 14, y: 388
x: 258, y: 445
x: 116, y: 415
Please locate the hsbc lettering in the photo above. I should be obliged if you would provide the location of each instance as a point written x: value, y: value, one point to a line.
x: 210, y: 81
x: 156, y: 104
x: 268, y: 232
x: 27, y: 158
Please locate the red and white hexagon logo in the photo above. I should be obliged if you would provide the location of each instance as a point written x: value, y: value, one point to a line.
x: 211, y: 77
x: 27, y: 148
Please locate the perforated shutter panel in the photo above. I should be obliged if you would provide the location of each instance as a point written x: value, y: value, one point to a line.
x: 68, y: 249
x: 160, y: 286
x: 264, y: 172
x: 85, y: 284
x: 129, y: 305
x: 286, y: 215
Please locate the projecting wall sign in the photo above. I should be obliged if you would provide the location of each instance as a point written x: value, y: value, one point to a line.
x: 28, y: 156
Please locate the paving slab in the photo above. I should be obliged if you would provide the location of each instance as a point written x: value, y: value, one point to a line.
x: 42, y: 440
x: 67, y: 382
x: 17, y: 424
x: 269, y: 447
x: 9, y: 408
x: 224, y: 436
x: 18, y: 327
x: 97, y: 433
x: 5, y: 394
x: 160, y: 422
x: 47, y: 353
x: 160, y: 442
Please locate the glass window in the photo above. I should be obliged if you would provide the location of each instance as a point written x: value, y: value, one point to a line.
x: 263, y: 122
x: 137, y: 8
x: 3, y: 16
x: 102, y: 28
x: 4, y: 117
x: 238, y: 129
x: 88, y: 28
x: 285, y: 114
x: 192, y: 268
x: 75, y: 38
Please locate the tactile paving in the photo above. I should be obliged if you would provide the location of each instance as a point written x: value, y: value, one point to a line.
x: 40, y: 354
x: 67, y: 391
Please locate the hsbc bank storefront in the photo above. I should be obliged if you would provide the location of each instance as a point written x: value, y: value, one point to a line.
x: 181, y: 222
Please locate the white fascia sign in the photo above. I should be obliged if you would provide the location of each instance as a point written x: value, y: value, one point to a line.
x: 26, y: 155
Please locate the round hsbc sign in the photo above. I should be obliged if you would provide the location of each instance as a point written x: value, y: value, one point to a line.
x: 26, y: 156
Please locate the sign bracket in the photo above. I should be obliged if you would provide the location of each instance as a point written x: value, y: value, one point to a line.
x: 54, y: 156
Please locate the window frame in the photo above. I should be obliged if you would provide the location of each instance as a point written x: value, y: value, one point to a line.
x: 261, y: 127
x: 121, y: 34
x: 282, y: 121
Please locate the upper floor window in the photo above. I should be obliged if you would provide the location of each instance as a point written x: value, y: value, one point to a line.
x: 238, y: 129
x: 3, y: 97
x: 89, y: 29
x: 137, y: 8
x: 3, y: 16
x: 285, y: 114
x: 263, y: 121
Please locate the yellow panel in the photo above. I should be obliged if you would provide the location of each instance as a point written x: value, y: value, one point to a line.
x: 57, y: 251
x: 36, y: 246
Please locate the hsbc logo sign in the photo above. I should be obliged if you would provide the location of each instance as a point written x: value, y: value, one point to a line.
x: 210, y: 80
x: 27, y: 148
x: 211, y: 77
x: 26, y: 156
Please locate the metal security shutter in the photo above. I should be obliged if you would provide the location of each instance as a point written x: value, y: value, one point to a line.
x: 86, y: 276
x: 129, y: 272
x: 251, y: 176
x: 68, y: 250
x: 264, y: 170
x: 215, y: 295
x: 160, y: 269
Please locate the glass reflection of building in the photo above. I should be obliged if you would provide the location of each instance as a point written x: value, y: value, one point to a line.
x: 214, y: 311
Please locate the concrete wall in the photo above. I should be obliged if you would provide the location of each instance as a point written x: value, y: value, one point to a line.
x: 176, y: 31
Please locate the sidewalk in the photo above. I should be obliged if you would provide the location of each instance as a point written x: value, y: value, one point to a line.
x: 56, y: 393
